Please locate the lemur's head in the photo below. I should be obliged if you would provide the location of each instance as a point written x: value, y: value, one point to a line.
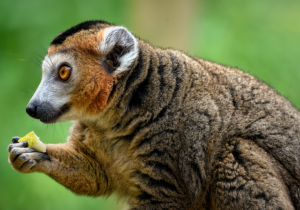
x: 80, y: 70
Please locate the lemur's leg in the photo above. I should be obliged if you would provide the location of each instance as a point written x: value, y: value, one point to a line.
x: 247, y: 177
x: 69, y: 164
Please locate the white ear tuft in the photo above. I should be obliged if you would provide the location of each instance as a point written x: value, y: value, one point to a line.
x: 120, y: 48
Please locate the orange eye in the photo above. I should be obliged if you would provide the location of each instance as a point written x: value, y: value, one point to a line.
x: 64, y: 72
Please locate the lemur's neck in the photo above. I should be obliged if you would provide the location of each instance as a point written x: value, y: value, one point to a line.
x: 154, y: 88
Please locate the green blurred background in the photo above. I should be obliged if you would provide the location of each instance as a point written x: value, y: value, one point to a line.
x: 261, y: 37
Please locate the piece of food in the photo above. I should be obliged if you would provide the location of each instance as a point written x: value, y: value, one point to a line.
x: 34, y: 142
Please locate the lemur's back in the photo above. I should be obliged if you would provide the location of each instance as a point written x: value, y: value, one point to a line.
x: 163, y: 129
x: 252, y: 132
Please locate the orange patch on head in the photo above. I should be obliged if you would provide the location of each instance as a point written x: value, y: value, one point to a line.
x: 85, y: 40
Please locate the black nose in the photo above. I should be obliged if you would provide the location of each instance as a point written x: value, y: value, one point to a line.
x: 31, y: 110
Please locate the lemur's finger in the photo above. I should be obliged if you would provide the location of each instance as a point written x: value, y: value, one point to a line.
x: 21, y: 144
x: 26, y: 166
x: 17, y: 151
x: 15, y: 139
x: 24, y: 162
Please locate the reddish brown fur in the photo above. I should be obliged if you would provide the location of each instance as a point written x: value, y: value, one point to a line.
x: 98, y: 86
x: 85, y: 41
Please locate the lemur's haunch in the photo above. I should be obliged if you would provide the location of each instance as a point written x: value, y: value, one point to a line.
x: 161, y: 128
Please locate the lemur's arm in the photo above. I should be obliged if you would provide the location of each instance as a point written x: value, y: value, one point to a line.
x: 67, y: 163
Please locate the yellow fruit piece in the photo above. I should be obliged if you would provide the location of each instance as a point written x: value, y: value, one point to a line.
x: 34, y: 142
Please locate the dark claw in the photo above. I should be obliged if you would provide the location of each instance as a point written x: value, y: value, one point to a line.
x: 10, y: 147
x: 15, y: 139
x: 22, y: 144
x: 25, y: 143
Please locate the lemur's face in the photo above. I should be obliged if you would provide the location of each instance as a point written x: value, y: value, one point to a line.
x: 80, y: 70
x: 52, y: 98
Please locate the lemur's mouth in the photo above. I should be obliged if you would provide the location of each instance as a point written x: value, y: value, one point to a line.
x: 52, y: 116
x: 45, y: 112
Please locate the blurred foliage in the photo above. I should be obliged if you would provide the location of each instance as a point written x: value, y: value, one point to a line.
x: 259, y: 36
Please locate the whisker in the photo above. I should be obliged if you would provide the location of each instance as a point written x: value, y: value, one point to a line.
x: 62, y: 129
x: 36, y: 58
x: 46, y: 52
x: 34, y: 62
x: 43, y: 48
x: 51, y: 61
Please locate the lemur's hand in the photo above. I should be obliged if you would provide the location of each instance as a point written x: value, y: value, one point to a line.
x: 25, y: 159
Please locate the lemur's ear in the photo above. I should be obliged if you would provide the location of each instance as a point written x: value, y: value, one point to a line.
x: 119, y: 48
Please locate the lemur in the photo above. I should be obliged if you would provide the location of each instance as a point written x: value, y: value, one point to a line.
x: 160, y: 128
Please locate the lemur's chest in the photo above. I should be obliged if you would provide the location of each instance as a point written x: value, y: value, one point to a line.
x: 120, y: 166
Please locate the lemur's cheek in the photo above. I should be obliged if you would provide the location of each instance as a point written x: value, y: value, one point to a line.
x: 96, y: 95
x: 102, y: 97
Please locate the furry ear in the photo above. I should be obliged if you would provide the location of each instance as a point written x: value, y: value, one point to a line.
x: 120, y: 49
